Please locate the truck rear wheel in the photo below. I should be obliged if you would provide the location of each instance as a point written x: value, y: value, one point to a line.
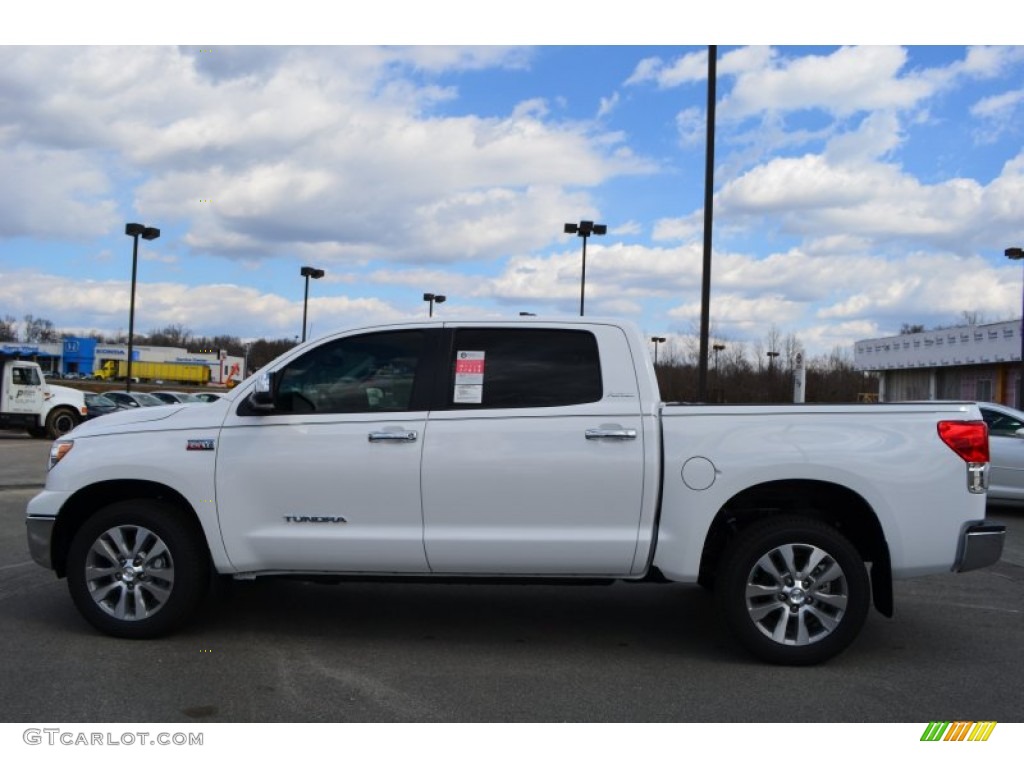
x: 60, y: 421
x: 793, y: 590
x: 137, y: 570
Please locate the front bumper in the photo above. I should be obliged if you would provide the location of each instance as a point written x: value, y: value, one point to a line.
x: 41, y: 520
x: 40, y: 535
x: 981, y: 545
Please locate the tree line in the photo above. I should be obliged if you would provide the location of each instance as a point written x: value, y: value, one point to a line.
x: 761, y: 371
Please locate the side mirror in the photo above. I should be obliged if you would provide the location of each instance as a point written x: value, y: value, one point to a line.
x: 262, y: 397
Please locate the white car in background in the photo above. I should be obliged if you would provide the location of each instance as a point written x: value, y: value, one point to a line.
x: 134, y: 399
x: 172, y: 398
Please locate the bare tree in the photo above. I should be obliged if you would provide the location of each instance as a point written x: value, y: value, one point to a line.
x: 175, y: 335
x: 39, y: 329
x: 9, y: 328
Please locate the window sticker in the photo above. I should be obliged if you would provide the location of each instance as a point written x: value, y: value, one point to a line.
x: 469, y: 377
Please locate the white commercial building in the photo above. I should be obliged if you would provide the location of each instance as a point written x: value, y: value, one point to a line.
x: 967, y: 362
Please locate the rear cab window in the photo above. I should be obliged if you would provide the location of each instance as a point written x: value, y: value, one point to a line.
x: 522, y: 368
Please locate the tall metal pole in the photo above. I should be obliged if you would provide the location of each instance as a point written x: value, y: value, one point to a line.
x: 657, y: 340
x: 305, y: 308
x: 583, y: 275
x: 131, y: 312
x: 584, y: 229
x: 709, y: 185
x: 1017, y: 254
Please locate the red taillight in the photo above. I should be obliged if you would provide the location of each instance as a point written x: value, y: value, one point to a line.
x: 968, y: 438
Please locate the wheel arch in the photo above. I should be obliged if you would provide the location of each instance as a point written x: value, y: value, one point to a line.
x: 830, y: 503
x: 90, y: 499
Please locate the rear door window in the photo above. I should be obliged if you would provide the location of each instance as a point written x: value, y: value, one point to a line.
x: 523, y: 368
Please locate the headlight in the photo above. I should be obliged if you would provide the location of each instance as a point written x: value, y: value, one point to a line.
x: 59, y: 450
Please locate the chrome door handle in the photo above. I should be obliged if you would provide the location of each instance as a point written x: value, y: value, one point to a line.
x: 398, y: 436
x: 605, y: 433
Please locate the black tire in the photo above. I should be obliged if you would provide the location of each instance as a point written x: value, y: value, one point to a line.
x: 793, y: 590
x: 137, y: 569
x: 60, y: 421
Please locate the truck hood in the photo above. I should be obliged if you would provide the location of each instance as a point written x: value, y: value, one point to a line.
x: 154, y: 418
x: 67, y: 394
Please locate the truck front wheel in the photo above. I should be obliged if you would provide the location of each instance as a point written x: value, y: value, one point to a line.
x: 793, y: 590
x: 60, y: 421
x: 136, y: 569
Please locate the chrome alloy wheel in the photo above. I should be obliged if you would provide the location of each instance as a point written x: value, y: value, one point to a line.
x: 129, y: 572
x: 796, y: 594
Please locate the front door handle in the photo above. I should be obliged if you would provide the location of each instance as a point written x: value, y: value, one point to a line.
x: 611, y: 433
x: 394, y: 436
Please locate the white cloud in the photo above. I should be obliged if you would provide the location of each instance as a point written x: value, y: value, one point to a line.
x: 879, y: 134
x: 53, y: 194
x: 844, y: 82
x: 691, y: 123
x: 990, y: 61
x: 608, y: 105
x: 320, y: 146
x: 207, y: 309
x: 812, y: 197
x: 999, y: 105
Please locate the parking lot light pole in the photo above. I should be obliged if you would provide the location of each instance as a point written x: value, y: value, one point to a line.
x: 135, y: 231
x: 316, y: 274
x: 657, y: 340
x: 584, y: 229
x: 1016, y: 254
x: 716, y: 348
x: 432, y: 299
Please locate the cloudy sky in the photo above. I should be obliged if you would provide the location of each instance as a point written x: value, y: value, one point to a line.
x: 856, y: 188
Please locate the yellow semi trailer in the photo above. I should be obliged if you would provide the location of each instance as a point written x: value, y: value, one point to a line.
x: 178, y: 373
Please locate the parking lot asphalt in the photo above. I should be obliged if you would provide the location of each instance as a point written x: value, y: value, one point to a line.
x: 22, y: 459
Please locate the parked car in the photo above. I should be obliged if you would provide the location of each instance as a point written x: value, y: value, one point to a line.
x: 100, y: 405
x: 176, y: 397
x: 207, y: 397
x: 1006, y: 446
x: 134, y: 399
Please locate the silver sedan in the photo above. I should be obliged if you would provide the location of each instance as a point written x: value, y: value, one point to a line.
x: 1006, y: 446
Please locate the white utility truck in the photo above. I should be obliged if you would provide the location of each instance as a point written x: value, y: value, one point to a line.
x: 529, y: 450
x: 28, y: 402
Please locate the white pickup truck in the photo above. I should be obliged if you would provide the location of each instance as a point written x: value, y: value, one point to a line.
x: 529, y: 450
x: 28, y: 402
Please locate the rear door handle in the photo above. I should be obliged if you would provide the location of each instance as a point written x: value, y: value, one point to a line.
x: 394, y: 436
x: 611, y: 433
